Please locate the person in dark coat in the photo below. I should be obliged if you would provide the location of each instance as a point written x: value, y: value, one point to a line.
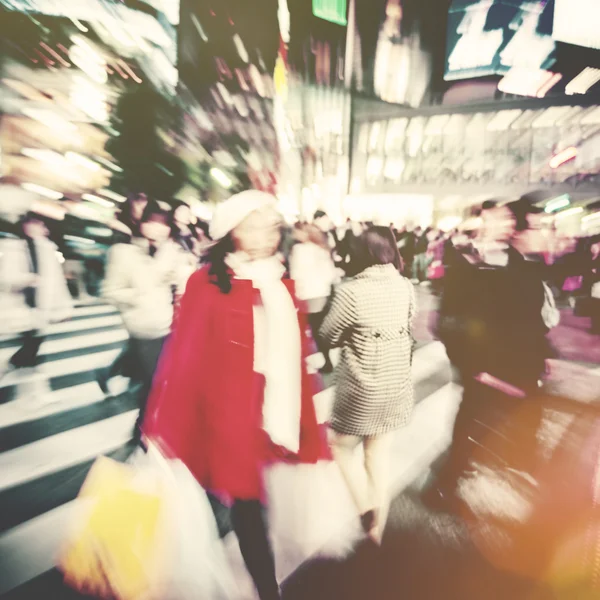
x: 492, y: 324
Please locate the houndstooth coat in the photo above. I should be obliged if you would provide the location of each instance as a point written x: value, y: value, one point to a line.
x: 370, y: 319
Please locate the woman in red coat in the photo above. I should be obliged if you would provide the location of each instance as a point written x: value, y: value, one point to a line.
x: 232, y: 393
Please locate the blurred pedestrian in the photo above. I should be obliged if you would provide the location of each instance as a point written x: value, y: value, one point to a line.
x: 232, y: 394
x: 33, y: 293
x: 371, y: 320
x: 312, y: 269
x: 421, y: 260
x: 141, y: 279
x: 132, y: 211
x: 494, y: 317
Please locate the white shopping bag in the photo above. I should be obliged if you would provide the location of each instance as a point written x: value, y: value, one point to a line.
x: 197, y: 564
x: 310, y: 514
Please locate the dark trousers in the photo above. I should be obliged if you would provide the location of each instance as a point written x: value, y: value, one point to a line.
x: 315, y: 320
x: 248, y: 521
x: 27, y: 355
x: 144, y: 355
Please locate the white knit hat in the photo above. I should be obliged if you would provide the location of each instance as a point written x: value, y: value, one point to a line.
x: 230, y: 213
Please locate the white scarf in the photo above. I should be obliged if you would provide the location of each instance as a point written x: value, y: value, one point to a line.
x: 277, y: 348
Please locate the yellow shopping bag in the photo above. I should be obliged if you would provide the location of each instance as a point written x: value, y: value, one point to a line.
x: 116, y: 550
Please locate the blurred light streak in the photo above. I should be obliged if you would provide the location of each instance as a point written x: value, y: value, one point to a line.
x: 82, y: 161
x: 79, y: 25
x: 112, y: 195
x: 47, y: 156
x: 59, y: 58
x: 581, y: 84
x: 98, y: 200
x: 110, y: 165
x: 528, y: 82
x: 199, y: 28
x: 26, y: 90
x: 257, y: 80
x: 591, y: 218
x: 221, y: 178
x: 84, y: 56
x: 241, y: 49
x: 89, y: 99
x: 562, y: 157
x: 80, y: 240
x: 217, y: 98
x: 130, y: 71
x: 242, y: 80
x: 225, y: 94
x: 49, y: 62
x: 42, y: 191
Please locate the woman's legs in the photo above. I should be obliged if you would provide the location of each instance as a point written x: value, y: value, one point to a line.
x: 367, y: 482
x: 247, y: 518
x: 343, y: 448
x: 377, y: 466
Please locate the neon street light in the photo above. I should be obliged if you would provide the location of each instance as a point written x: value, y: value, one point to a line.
x: 557, y: 204
x: 562, y: 157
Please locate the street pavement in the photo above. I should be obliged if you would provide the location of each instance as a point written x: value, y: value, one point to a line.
x: 47, y: 449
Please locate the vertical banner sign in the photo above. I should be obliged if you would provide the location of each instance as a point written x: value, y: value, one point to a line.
x: 331, y: 10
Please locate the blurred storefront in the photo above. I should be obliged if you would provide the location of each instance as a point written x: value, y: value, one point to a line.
x: 64, y: 68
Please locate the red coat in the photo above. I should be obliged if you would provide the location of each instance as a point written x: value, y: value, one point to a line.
x: 206, y: 404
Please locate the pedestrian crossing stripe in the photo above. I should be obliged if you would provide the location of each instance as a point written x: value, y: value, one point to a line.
x: 46, y: 450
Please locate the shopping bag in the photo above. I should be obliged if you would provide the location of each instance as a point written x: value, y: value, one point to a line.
x: 117, y: 546
x: 146, y: 531
x: 198, y: 565
x: 311, y: 513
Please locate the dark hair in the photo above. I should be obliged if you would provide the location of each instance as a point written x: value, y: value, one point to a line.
x: 218, y: 270
x: 215, y: 257
x: 204, y: 228
x: 520, y: 210
x: 489, y: 205
x: 377, y: 246
x: 126, y: 214
x: 319, y: 214
x: 28, y: 217
x: 154, y: 210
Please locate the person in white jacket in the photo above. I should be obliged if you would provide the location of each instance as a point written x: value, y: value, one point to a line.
x: 33, y: 294
x: 142, y: 280
x: 314, y: 273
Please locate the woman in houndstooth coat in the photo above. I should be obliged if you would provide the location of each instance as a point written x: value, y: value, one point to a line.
x: 370, y: 320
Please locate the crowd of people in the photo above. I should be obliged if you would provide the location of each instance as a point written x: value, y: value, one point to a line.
x: 225, y: 322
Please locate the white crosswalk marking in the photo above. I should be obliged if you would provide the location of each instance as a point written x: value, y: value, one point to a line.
x: 28, y: 548
x: 64, y: 450
x: 81, y: 342
x: 66, y: 366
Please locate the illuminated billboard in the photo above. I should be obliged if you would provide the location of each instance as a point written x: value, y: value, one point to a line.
x: 577, y: 22
x: 331, y: 10
x: 491, y: 37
